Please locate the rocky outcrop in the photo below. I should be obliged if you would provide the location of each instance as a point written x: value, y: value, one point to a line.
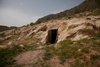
x: 74, y: 29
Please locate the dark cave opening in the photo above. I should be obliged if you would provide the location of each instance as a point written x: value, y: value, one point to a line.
x: 52, y: 36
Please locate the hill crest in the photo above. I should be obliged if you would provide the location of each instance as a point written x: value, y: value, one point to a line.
x: 87, y: 5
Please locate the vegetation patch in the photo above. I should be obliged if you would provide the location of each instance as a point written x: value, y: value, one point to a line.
x: 68, y: 50
x: 94, y: 57
x: 96, y: 12
x: 2, y: 35
x: 49, y: 52
x: 79, y: 50
x: 97, y: 35
x: 7, y: 54
x: 85, y: 50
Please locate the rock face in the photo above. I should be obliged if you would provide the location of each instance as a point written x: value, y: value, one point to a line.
x: 74, y: 29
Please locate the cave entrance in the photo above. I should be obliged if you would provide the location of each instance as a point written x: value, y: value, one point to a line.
x: 52, y: 36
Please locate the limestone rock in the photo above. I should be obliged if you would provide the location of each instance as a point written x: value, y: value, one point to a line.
x: 74, y: 29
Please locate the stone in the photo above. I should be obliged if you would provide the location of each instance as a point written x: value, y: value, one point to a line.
x: 21, y: 45
x: 10, y: 43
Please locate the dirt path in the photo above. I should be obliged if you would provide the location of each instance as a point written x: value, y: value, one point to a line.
x: 29, y: 58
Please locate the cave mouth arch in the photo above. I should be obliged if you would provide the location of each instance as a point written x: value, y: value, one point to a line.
x: 52, y: 36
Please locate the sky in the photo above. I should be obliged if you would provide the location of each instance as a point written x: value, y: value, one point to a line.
x: 23, y: 12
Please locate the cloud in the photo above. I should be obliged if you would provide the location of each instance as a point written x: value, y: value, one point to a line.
x: 12, y: 17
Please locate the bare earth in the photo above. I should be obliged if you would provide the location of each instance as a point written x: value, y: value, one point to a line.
x: 27, y: 59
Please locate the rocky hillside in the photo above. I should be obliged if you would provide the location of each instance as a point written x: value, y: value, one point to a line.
x: 76, y: 42
x: 30, y: 43
x: 87, y: 5
x: 4, y: 28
